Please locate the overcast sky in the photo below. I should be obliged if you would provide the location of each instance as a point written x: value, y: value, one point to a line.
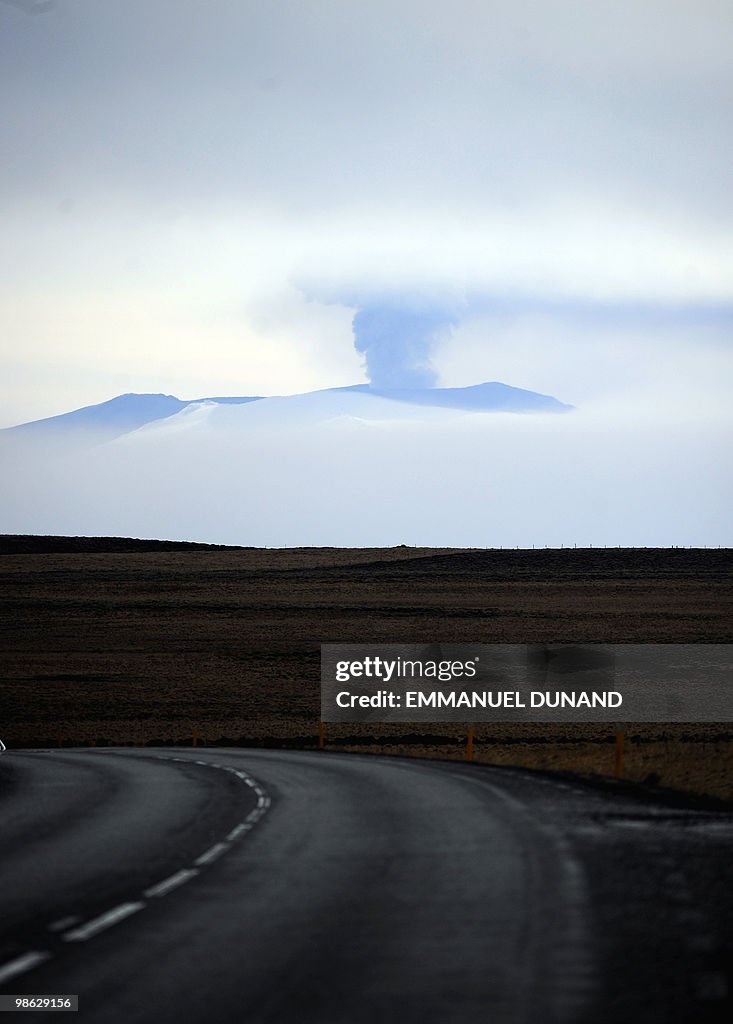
x: 198, y: 197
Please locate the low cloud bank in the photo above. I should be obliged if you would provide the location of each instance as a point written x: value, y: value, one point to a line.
x: 438, y: 478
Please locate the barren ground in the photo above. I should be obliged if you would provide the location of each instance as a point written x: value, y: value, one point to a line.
x: 118, y: 641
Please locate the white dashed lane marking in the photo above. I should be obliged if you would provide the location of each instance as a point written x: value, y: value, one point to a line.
x: 103, y: 922
x: 27, y: 961
x: 21, y: 964
x: 64, y: 923
x: 212, y: 854
x: 180, y: 878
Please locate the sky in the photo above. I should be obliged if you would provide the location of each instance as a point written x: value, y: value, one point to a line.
x: 273, y: 196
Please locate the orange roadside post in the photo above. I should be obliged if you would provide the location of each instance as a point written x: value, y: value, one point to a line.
x: 321, y: 736
x: 469, y: 744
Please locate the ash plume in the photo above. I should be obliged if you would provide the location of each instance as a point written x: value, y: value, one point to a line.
x: 398, y: 342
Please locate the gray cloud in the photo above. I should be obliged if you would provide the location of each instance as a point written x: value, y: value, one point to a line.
x: 479, y: 106
x: 31, y: 6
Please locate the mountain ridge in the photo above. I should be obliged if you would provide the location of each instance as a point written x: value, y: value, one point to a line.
x: 130, y: 411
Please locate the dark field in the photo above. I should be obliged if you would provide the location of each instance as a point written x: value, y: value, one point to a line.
x: 119, y: 641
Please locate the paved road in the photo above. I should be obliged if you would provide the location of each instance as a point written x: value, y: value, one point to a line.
x: 261, y: 886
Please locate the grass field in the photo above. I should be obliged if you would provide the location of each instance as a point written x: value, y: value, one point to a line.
x: 119, y: 641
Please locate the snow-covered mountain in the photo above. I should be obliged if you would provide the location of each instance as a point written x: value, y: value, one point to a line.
x: 126, y: 413
x: 491, y: 396
x: 107, y: 420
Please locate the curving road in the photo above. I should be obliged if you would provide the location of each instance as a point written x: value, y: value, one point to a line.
x: 262, y: 886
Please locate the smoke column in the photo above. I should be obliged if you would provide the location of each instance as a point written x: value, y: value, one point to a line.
x: 398, y: 343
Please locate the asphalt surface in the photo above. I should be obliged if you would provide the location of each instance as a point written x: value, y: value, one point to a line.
x: 262, y: 886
